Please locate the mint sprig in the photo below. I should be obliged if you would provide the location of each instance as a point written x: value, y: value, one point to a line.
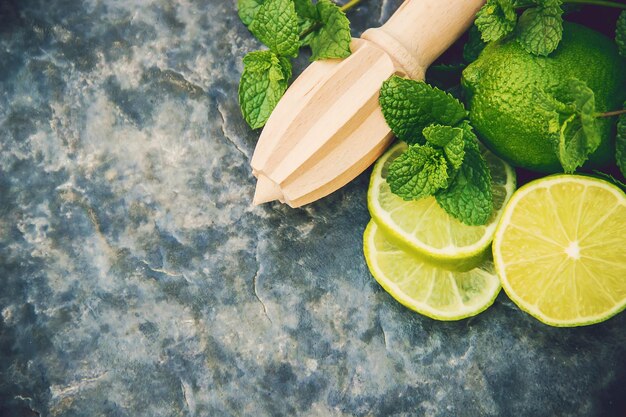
x: 443, y: 159
x: 284, y: 26
x: 539, y: 29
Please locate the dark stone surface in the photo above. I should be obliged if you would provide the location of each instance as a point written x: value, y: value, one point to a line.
x: 137, y: 280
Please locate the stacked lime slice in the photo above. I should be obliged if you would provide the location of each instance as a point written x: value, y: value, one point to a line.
x: 426, y: 259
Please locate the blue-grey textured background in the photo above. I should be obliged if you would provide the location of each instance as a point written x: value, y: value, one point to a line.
x: 137, y: 280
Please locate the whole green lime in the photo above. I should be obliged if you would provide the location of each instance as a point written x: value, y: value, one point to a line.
x: 501, y: 83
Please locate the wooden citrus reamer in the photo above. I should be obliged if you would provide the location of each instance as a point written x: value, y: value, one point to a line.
x: 328, y: 127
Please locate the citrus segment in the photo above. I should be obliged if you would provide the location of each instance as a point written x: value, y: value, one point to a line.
x: 560, y: 250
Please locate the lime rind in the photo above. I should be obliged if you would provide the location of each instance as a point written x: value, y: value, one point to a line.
x: 454, y: 256
x: 499, y: 263
x: 469, y: 301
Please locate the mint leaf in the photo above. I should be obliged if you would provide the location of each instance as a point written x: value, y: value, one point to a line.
x: 572, y: 147
x: 620, y: 33
x: 418, y: 172
x: 263, y: 82
x: 469, y: 137
x: 247, y: 9
x: 450, y: 139
x: 276, y: 25
x: 469, y: 198
x: 540, y: 29
x: 440, y: 135
x: 455, y: 151
x: 409, y: 106
x: 332, y: 39
x: 496, y: 19
x: 620, y: 143
x: 570, y: 110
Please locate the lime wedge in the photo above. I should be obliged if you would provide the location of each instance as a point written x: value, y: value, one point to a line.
x: 423, y: 287
x: 424, y: 227
x: 560, y: 250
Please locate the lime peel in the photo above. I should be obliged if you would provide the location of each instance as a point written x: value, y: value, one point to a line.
x: 470, y: 292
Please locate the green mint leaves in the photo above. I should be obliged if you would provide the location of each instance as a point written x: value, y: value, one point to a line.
x: 496, y: 19
x: 247, y: 9
x: 443, y: 159
x: 418, y: 172
x: 620, y: 33
x: 284, y: 26
x: 276, y: 25
x: 263, y: 82
x: 570, y: 110
x: 539, y: 29
x: 469, y: 197
x: 410, y: 106
x: 332, y: 39
x: 450, y: 139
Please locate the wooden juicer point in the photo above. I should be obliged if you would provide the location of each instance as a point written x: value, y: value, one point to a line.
x: 328, y: 127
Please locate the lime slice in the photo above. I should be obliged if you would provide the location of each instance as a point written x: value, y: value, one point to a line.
x: 423, y: 287
x: 423, y: 226
x: 560, y: 250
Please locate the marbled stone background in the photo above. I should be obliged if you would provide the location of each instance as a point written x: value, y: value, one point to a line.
x: 137, y: 280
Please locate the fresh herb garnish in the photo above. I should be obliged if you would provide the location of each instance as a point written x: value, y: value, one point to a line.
x: 469, y: 197
x: 276, y: 25
x: 573, y: 123
x: 443, y: 158
x: 263, y: 82
x: 572, y: 120
x: 331, y: 38
x: 285, y: 26
x: 496, y: 19
x: 538, y: 29
x: 418, y: 172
